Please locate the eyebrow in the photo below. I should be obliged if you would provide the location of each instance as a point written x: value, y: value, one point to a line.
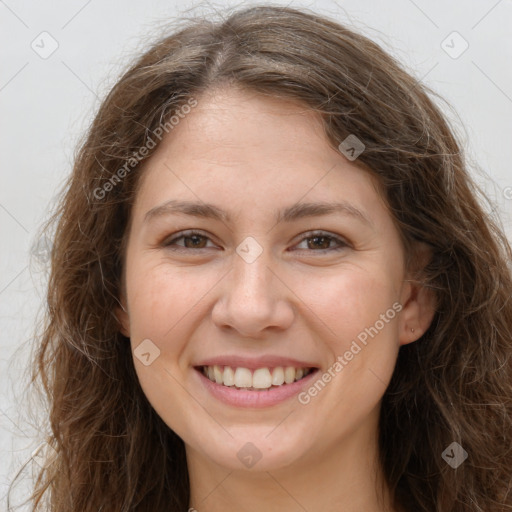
x: 289, y: 214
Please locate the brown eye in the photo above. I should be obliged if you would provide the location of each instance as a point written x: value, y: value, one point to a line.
x: 196, y: 241
x: 319, y: 242
x: 191, y: 240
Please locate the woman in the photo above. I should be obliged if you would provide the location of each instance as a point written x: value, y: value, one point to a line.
x: 273, y: 288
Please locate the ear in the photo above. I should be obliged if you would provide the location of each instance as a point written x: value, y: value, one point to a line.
x: 419, y: 302
x: 123, y: 318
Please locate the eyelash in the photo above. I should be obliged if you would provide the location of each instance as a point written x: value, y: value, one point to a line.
x: 313, y: 234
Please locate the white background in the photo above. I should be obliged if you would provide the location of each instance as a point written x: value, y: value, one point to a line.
x: 46, y: 104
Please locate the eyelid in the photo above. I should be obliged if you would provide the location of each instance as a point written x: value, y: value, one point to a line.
x: 342, y: 243
x: 167, y: 241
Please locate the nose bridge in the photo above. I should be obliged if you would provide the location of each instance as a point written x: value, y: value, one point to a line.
x: 251, y: 281
x: 251, y: 298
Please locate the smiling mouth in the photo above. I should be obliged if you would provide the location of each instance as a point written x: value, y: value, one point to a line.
x: 260, y: 379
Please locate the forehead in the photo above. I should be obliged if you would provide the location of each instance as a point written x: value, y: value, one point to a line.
x: 238, y: 147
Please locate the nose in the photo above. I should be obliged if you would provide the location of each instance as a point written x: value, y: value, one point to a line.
x: 253, y: 299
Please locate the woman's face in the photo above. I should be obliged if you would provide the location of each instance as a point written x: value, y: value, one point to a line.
x: 266, y: 282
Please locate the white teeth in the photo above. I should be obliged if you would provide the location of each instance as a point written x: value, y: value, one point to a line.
x: 289, y: 374
x: 229, y: 376
x: 261, y: 378
x: 278, y: 376
x: 217, y: 372
x: 243, y: 378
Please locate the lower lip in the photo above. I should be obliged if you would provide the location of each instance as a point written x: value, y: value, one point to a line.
x: 240, y: 397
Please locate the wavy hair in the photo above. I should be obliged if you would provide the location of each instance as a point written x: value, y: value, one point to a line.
x: 111, y: 451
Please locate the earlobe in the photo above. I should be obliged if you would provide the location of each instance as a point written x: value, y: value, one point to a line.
x: 123, y: 319
x: 419, y: 307
x: 419, y: 302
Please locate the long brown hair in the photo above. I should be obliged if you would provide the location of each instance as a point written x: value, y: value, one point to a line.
x: 111, y: 451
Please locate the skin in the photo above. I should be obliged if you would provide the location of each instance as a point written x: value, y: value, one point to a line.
x: 251, y: 155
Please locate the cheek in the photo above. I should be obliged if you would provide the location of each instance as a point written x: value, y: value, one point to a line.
x: 161, y: 303
x: 160, y: 298
x: 359, y: 325
x: 347, y: 301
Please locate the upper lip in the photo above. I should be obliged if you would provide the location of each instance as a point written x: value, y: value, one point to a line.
x: 253, y: 363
